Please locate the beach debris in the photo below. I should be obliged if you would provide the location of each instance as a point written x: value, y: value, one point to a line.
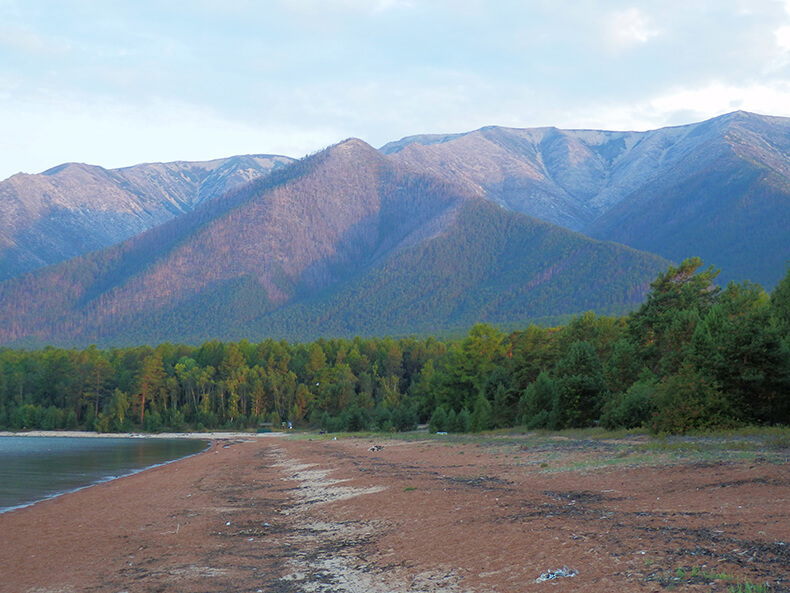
x: 228, y: 523
x: 556, y: 574
x: 376, y: 448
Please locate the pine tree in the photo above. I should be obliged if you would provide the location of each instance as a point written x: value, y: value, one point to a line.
x: 151, y: 383
x: 482, y: 415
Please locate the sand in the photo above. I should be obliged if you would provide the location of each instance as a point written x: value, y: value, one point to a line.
x: 281, y: 514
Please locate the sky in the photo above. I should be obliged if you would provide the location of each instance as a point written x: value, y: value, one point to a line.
x: 120, y: 82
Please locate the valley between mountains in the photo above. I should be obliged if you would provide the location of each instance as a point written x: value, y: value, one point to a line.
x: 429, y: 234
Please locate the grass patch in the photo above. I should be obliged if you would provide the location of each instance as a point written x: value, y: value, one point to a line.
x: 699, y: 575
x: 748, y: 587
x: 596, y: 448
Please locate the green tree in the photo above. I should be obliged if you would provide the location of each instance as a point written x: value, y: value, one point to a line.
x: 623, y: 367
x: 601, y: 332
x: 151, y: 385
x: 316, y: 362
x: 303, y: 400
x: 187, y: 372
x: 482, y: 415
x: 534, y: 351
x: 119, y: 407
x: 739, y: 348
x: 469, y: 365
x: 390, y: 359
x: 463, y: 421
x: 233, y: 371
x: 335, y: 388
x: 389, y: 391
x: 503, y: 407
x: 780, y: 304
x: 633, y: 408
x: 452, y: 422
x: 581, y: 386
x: 689, y: 401
x: 438, y: 422
x: 99, y: 375
x: 538, y: 407
x: 261, y: 402
x: 423, y: 390
x: 663, y: 325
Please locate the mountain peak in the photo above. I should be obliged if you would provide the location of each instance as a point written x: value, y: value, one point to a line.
x: 75, y: 208
x: 354, y: 147
x: 72, y: 167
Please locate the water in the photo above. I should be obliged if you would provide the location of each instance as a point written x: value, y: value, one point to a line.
x: 36, y: 468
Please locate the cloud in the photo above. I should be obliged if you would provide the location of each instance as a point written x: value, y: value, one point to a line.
x: 292, y: 76
x: 628, y: 28
x: 344, y: 7
x: 683, y: 106
x: 782, y: 35
x: 715, y: 98
x: 28, y: 41
x: 39, y: 135
x: 383, y: 5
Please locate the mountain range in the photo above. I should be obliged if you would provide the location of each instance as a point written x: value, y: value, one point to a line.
x: 74, y: 208
x: 425, y: 235
x: 718, y: 189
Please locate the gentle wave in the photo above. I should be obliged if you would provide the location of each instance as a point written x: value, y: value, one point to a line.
x: 39, y: 468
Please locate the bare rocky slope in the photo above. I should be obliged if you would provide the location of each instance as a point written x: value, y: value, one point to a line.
x: 75, y: 208
x: 718, y: 189
x: 343, y: 243
x: 424, y: 235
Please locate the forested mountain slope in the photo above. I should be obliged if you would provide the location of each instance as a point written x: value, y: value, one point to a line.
x: 490, y: 265
x: 73, y: 209
x: 343, y: 242
x: 727, y: 202
x: 718, y: 189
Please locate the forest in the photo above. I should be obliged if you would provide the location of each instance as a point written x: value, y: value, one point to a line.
x: 693, y: 356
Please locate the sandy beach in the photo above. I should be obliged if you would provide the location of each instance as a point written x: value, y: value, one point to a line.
x: 202, y: 436
x: 281, y: 514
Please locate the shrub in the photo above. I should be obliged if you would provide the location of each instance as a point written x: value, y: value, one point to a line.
x: 537, y: 408
x: 688, y: 401
x: 404, y: 418
x: 463, y: 421
x: 438, y: 422
x: 482, y: 415
x: 355, y: 419
x: 631, y: 409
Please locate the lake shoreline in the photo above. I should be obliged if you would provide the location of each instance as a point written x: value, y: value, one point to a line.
x: 42, y: 466
x: 384, y: 515
x: 202, y: 436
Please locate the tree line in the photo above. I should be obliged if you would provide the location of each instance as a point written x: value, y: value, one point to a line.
x: 693, y: 356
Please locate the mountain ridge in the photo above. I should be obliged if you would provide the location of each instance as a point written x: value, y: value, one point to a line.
x: 591, y: 181
x: 425, y: 233
x: 594, y: 181
x: 75, y: 208
x: 345, y: 241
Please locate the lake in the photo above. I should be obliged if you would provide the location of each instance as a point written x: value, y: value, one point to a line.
x: 36, y: 468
